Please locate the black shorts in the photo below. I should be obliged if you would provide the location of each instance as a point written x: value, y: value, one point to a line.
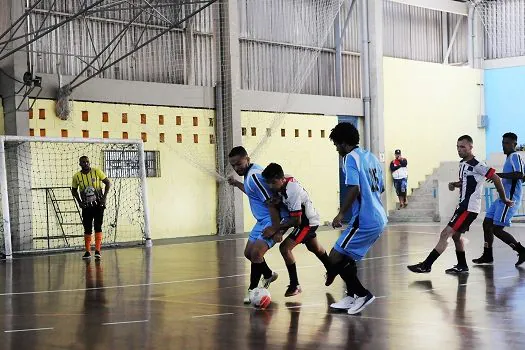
x: 92, y: 216
x: 462, y: 219
x: 303, y: 234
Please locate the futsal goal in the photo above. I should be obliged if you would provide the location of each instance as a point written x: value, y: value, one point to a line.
x: 38, y: 210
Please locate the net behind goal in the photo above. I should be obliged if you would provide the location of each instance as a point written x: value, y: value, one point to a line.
x: 38, y: 210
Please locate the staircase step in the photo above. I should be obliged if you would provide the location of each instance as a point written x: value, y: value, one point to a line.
x: 422, y: 191
x: 427, y: 204
x: 421, y: 198
x: 408, y: 212
x: 410, y: 219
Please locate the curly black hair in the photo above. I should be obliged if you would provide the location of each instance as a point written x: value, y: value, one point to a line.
x: 238, y: 151
x: 511, y: 135
x: 273, y: 171
x: 345, y: 133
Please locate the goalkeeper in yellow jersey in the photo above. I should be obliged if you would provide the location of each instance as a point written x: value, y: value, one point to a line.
x: 92, y: 199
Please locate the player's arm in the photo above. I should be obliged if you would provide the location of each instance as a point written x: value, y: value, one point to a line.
x: 453, y: 185
x: 501, y: 191
x: 394, y: 167
x: 517, y: 167
x: 404, y: 162
x: 74, y: 192
x: 107, y: 186
x: 351, y: 196
x: 516, y: 175
x: 236, y: 183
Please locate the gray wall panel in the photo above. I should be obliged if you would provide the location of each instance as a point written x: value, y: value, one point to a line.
x: 504, y: 24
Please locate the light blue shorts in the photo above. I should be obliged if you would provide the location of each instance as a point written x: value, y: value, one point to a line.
x: 500, y: 213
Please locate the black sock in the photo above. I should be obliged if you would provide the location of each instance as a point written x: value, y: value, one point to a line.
x: 266, y: 271
x: 507, y: 238
x: 292, y: 272
x: 431, y: 258
x: 462, y: 261
x: 255, y: 275
x: 353, y: 284
x: 325, y: 260
x: 487, y: 252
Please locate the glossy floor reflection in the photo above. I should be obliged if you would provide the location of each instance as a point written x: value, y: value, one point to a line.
x: 189, y: 296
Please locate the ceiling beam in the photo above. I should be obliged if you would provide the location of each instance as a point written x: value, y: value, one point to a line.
x: 457, y: 7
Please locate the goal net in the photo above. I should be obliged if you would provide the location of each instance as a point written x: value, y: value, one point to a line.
x: 504, y: 26
x: 39, y: 211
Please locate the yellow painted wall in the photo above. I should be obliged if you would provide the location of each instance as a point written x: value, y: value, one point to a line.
x: 427, y: 107
x: 183, y: 199
x: 312, y: 160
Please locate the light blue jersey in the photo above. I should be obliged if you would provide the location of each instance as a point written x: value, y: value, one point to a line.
x: 513, y: 188
x: 258, y: 193
x: 362, y: 168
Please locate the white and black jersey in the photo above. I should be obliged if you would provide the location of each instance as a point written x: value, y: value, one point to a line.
x: 297, y: 201
x: 472, y: 174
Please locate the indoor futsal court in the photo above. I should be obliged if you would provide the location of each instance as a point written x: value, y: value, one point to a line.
x: 188, y: 295
x: 262, y: 174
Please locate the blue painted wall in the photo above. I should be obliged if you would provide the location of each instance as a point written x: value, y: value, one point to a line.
x: 504, y: 105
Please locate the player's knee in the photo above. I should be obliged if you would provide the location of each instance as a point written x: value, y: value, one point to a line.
x: 285, y: 248
x: 256, y: 254
x: 498, y: 230
x: 456, y: 237
x: 445, y: 234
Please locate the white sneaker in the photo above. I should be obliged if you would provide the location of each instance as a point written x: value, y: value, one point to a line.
x: 247, y: 297
x: 343, y: 304
x: 360, y: 303
x: 265, y: 282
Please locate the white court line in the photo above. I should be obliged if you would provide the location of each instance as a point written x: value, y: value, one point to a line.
x: 124, y: 322
x: 213, y: 315
x: 306, y: 305
x: 177, y: 281
x: 28, y: 330
x: 423, y: 232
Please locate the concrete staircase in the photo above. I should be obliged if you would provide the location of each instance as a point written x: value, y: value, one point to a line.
x: 422, y: 203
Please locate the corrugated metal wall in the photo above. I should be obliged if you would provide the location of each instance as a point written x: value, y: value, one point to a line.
x: 416, y: 33
x: 163, y: 61
x: 285, y: 46
x: 504, y: 22
x: 288, y: 46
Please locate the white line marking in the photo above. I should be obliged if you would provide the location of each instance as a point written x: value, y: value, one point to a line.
x: 124, y: 322
x: 423, y: 232
x: 212, y: 315
x: 179, y: 281
x: 28, y: 330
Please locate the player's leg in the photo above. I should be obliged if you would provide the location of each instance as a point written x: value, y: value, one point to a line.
x: 503, y: 218
x: 339, y: 262
x: 286, y: 248
x: 404, y: 186
x: 87, y: 222
x: 488, y: 233
x: 511, y: 242
x: 461, y: 267
x: 314, y: 246
x: 98, y: 218
x: 355, y: 246
x: 460, y: 222
x: 338, y: 256
x: 426, y: 265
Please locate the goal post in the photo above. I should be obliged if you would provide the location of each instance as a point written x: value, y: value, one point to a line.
x: 39, y: 212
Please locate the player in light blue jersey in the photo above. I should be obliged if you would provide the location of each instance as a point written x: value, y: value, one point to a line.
x: 258, y: 194
x: 499, y: 215
x: 364, y: 179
